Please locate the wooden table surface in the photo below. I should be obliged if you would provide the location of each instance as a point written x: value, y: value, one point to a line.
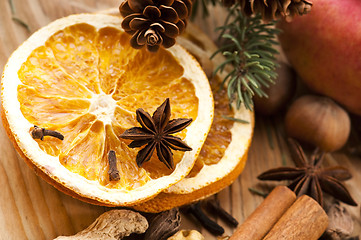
x: 32, y: 209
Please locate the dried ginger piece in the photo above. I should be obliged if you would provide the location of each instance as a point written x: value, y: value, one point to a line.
x: 112, y: 225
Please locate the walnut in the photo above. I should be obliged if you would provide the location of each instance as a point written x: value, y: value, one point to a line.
x: 112, y: 225
x: 187, y: 234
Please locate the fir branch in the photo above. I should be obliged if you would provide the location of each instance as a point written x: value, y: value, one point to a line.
x: 248, y: 46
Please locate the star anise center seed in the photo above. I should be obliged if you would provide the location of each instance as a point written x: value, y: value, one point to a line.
x: 158, y: 137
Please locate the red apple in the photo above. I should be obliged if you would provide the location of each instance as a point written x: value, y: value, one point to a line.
x: 324, y: 47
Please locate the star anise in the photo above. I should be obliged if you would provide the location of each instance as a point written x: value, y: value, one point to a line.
x: 155, y: 133
x: 309, y: 178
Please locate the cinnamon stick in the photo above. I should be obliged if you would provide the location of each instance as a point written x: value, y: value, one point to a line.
x: 257, y: 225
x: 304, y: 220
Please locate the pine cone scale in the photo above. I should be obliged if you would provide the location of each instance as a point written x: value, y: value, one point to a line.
x: 141, y: 40
x: 165, y: 2
x: 134, y: 41
x: 139, y: 23
x: 153, y: 38
x: 149, y: 37
x: 126, y: 21
x: 154, y: 48
x: 181, y: 26
x: 124, y: 9
x: 181, y: 9
x: 167, y: 41
x: 169, y: 14
x: 171, y: 30
x: 157, y: 27
x: 272, y: 9
x: 152, y: 12
x: 285, y: 5
x: 188, y: 4
x: 139, y: 5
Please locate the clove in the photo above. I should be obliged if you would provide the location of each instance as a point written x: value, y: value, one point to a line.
x: 213, y: 227
x: 113, y: 171
x: 40, y: 133
x: 213, y: 206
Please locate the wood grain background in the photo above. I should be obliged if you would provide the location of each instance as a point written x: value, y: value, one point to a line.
x: 32, y: 209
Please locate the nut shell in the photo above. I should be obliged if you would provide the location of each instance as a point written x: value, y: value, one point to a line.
x: 319, y: 121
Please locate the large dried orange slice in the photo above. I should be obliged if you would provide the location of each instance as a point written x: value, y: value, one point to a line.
x: 224, y: 153
x: 80, y: 77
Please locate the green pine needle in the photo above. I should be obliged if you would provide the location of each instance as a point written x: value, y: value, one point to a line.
x: 235, y: 119
x: 248, y: 45
x: 22, y: 23
x: 12, y: 7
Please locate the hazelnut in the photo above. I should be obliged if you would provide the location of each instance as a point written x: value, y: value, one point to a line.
x: 319, y: 121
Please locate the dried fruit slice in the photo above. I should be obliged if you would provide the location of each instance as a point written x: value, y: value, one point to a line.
x: 80, y: 77
x: 225, y: 150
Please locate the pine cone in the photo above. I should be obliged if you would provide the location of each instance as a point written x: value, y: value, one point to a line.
x: 273, y: 9
x: 154, y: 23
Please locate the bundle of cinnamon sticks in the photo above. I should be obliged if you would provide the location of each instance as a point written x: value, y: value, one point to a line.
x: 282, y: 216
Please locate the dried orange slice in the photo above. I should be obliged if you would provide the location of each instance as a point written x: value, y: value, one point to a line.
x: 224, y: 153
x: 80, y: 77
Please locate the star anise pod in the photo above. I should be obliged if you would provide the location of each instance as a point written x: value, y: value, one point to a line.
x: 155, y: 133
x: 308, y: 177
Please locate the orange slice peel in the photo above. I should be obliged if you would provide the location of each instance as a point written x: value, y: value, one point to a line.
x: 61, y: 79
